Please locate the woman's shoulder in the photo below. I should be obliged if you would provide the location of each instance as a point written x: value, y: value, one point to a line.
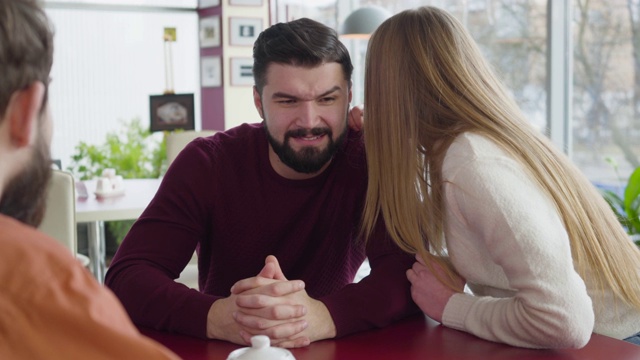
x: 472, y: 149
x: 472, y: 144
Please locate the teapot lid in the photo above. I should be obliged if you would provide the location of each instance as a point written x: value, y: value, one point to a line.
x: 261, y: 350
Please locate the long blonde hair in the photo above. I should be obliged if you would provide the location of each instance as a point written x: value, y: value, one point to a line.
x: 426, y: 82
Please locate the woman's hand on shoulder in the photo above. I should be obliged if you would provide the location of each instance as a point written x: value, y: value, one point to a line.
x: 356, y: 117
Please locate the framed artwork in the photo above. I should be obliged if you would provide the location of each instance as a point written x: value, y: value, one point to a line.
x: 211, y: 71
x: 207, y: 3
x: 171, y: 112
x: 244, y: 31
x: 210, y: 31
x: 246, y: 2
x: 242, y: 72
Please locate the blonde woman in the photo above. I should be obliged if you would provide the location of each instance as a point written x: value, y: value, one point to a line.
x: 485, y: 200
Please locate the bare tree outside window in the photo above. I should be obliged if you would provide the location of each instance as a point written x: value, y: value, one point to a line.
x: 513, y: 35
x: 606, y: 96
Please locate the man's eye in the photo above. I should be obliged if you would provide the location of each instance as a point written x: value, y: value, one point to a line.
x: 326, y: 100
x: 286, y: 102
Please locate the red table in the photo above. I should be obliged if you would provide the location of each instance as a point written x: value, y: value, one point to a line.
x: 415, y: 338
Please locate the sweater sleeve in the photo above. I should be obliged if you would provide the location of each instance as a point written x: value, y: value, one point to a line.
x: 380, y: 298
x: 159, y: 246
x: 530, y: 294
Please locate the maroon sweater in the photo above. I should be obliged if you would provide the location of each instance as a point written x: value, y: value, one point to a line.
x: 222, y: 195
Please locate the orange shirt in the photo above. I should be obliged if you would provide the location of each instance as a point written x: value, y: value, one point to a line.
x: 52, y: 308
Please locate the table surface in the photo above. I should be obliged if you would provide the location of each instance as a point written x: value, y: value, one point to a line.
x: 94, y: 210
x: 416, y: 338
x: 137, y: 195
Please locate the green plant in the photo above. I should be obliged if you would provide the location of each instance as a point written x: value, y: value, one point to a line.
x: 627, y: 206
x: 132, y: 151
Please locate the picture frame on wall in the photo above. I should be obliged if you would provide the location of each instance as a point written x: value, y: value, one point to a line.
x: 246, y: 2
x: 210, y: 31
x: 171, y: 112
x: 211, y: 71
x: 244, y: 31
x: 208, y: 3
x: 242, y: 71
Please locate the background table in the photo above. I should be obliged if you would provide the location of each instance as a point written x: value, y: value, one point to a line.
x: 416, y: 338
x: 95, y: 211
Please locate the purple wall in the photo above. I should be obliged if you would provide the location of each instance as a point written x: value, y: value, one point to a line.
x: 212, y: 98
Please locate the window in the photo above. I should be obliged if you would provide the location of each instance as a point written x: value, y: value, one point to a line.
x: 601, y: 117
x: 108, y: 60
x: 606, y: 88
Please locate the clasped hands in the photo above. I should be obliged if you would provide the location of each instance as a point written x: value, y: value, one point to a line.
x: 270, y: 304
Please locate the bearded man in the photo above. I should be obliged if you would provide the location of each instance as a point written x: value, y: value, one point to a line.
x: 273, y: 210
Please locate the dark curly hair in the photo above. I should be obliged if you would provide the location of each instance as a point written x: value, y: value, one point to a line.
x: 302, y: 42
x: 26, y: 47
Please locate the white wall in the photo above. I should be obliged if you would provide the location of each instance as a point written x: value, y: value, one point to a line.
x: 107, y: 61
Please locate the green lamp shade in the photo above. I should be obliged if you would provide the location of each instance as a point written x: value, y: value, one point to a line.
x: 362, y: 22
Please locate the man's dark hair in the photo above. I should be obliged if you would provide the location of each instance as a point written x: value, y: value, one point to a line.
x: 26, y: 47
x: 303, y: 42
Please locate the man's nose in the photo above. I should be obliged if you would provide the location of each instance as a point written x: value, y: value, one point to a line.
x: 308, y: 116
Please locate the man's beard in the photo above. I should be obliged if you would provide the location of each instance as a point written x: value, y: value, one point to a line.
x: 308, y: 160
x: 24, y: 197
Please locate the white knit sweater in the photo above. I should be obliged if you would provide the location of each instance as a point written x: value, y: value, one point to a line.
x: 505, y: 236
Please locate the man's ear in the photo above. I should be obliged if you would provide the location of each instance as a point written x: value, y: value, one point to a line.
x: 23, y: 113
x: 257, y: 101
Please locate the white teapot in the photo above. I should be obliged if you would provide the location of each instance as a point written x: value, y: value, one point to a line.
x: 261, y: 350
x: 109, y: 184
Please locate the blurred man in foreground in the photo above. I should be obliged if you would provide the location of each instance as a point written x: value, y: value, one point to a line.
x: 50, y: 306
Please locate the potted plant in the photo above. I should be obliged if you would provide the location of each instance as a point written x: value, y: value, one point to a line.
x: 627, y: 206
x: 133, y: 152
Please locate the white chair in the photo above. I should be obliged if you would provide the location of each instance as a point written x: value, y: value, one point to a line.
x: 176, y: 141
x: 59, y: 219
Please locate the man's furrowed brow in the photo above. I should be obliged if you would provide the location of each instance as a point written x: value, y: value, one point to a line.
x: 283, y: 95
